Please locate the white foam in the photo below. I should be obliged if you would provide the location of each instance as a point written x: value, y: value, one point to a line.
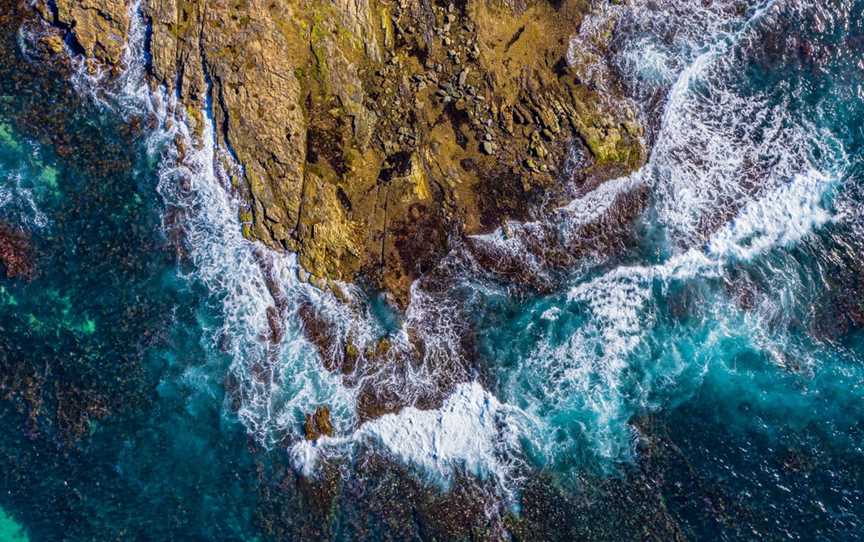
x: 551, y: 314
x: 518, y: 240
x: 278, y: 383
x: 472, y: 433
x: 621, y: 305
x: 711, y: 139
x: 652, y: 40
x: 17, y: 194
x: 128, y: 92
x: 782, y: 218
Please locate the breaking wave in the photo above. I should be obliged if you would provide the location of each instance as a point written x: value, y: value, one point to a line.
x: 275, y: 379
x: 735, y: 175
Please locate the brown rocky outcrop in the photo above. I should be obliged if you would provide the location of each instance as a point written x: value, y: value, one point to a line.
x: 318, y: 424
x: 372, y: 131
x: 98, y: 27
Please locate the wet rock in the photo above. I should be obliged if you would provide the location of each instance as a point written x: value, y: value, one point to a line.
x: 313, y: 99
x: 53, y: 43
x: 318, y: 424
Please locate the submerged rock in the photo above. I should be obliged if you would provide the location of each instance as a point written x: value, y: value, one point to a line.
x: 15, y: 254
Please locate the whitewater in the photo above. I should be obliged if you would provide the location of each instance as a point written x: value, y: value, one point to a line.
x: 736, y: 178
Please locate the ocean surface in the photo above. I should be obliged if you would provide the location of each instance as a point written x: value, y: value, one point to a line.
x: 708, y: 365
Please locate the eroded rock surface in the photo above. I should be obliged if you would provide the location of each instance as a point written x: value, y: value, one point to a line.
x: 371, y: 132
x: 99, y: 28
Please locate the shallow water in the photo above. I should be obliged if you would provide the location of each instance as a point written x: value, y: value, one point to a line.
x: 715, y: 360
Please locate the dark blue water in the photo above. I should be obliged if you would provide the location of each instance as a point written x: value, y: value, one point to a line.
x: 708, y: 377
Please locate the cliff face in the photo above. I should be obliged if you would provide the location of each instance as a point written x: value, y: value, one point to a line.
x: 372, y: 132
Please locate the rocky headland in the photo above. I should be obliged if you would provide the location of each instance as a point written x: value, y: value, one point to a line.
x: 372, y: 134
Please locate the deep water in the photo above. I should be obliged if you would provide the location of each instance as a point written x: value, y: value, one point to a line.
x: 713, y: 369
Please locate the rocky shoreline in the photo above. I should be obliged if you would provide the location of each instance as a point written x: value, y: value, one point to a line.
x: 374, y: 134
x: 456, y: 145
x: 386, y: 144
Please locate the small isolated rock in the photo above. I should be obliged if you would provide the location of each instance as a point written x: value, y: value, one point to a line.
x: 53, y: 43
x: 488, y: 147
x: 463, y: 77
x: 318, y: 424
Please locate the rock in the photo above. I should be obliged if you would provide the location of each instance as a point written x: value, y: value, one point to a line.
x: 463, y: 76
x: 99, y: 27
x: 318, y: 424
x: 53, y: 43
x: 315, y: 100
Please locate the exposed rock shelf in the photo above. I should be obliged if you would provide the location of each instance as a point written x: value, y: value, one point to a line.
x: 371, y: 133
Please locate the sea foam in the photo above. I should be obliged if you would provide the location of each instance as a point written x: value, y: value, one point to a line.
x: 472, y: 433
x: 695, y: 171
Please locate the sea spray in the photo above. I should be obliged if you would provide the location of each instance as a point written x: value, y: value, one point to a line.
x: 651, y: 42
x: 707, y: 184
x: 472, y: 432
x: 276, y: 383
x: 127, y: 91
x: 719, y: 206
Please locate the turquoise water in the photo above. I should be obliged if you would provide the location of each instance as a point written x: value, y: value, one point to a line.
x: 651, y: 327
x: 745, y: 344
x: 108, y: 333
x: 719, y: 356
